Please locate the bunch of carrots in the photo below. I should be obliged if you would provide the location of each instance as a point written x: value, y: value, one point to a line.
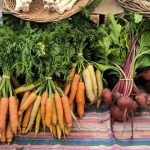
x: 83, y: 82
x: 8, y: 110
x: 45, y: 104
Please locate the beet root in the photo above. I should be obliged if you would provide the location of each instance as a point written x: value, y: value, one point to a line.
x: 116, y: 95
x: 142, y: 99
x: 146, y: 74
x: 117, y: 113
x: 133, y: 107
x: 124, y: 102
x: 107, y: 96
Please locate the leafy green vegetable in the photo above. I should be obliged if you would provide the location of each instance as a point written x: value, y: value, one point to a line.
x: 111, y: 42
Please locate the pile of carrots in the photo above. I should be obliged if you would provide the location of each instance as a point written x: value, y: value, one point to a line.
x: 9, y: 118
x: 45, y: 105
x: 8, y: 110
x: 83, y: 83
x: 49, y: 108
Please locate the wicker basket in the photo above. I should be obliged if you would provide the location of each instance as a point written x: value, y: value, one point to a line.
x: 38, y: 14
x: 140, y: 6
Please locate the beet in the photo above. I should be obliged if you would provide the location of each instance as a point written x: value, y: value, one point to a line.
x: 116, y: 95
x: 107, y: 96
x: 146, y: 74
x: 142, y: 99
x: 117, y: 113
x: 124, y: 102
x: 133, y: 107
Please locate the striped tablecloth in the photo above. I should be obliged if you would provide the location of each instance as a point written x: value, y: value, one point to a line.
x: 92, y: 133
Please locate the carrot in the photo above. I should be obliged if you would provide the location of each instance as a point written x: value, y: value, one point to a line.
x: 34, y: 112
x: 67, y: 88
x: 80, y: 99
x: 26, y: 94
x: 54, y: 131
x: 67, y: 110
x: 3, y: 113
x: 13, y: 109
x: 38, y: 120
x: 3, y: 135
x: 59, y: 109
x: 43, y: 107
x: 67, y: 132
x: 74, y: 88
x: 24, y: 89
x: 54, y: 114
x: 31, y: 98
x: 26, y: 119
x: 100, y: 87
x: 24, y: 98
x: 59, y: 132
x: 49, y: 111
x: 93, y: 79
x: 9, y: 133
x: 88, y: 85
x: 99, y: 83
x: 69, y: 79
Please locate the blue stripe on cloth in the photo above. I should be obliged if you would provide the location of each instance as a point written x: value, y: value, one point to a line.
x: 83, y: 141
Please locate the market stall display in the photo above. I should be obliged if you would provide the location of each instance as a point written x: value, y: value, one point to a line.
x: 74, y: 82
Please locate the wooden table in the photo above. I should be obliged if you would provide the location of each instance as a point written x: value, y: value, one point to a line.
x: 105, y: 7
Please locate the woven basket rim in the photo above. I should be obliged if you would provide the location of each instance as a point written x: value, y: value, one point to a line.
x: 45, y: 16
x: 139, y: 6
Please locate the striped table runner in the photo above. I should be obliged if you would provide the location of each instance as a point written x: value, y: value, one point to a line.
x: 93, y: 132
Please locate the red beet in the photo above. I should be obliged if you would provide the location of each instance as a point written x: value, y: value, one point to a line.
x: 107, y: 96
x: 116, y: 95
x: 146, y: 74
x: 124, y: 102
x: 133, y: 107
x: 142, y: 99
x: 117, y: 113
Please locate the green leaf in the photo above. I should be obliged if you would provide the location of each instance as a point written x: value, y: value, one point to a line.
x: 137, y: 18
x: 143, y: 62
x: 115, y: 29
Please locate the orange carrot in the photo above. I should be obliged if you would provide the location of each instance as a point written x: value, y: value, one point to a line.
x: 0, y: 106
x: 59, y: 109
x: 80, y: 99
x: 69, y: 79
x: 13, y: 113
x: 74, y: 88
x: 26, y: 119
x: 3, y: 113
x: 67, y: 132
x: 26, y: 94
x: 49, y: 110
x: 54, y: 114
x: 67, y: 110
x: 9, y: 133
x: 43, y: 107
x: 67, y: 88
x: 31, y: 98
x: 3, y: 135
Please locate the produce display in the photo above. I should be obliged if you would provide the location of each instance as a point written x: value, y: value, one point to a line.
x: 49, y: 73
